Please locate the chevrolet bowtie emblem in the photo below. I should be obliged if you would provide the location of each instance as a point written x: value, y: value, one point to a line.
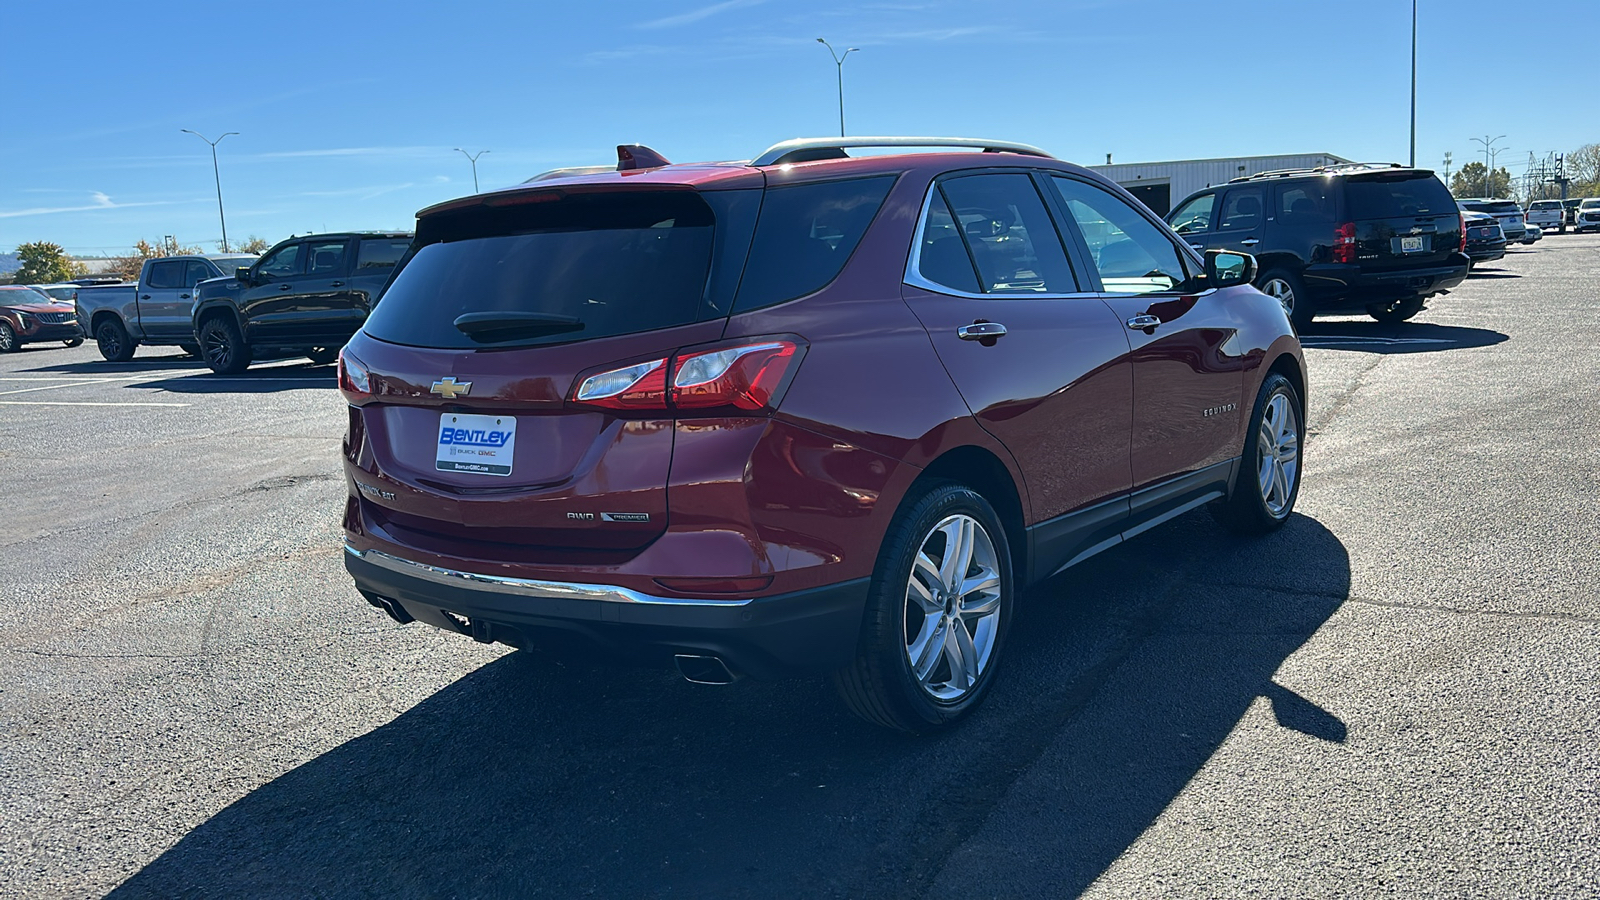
x: 449, y: 388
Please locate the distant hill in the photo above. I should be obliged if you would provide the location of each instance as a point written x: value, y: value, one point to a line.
x: 9, y: 263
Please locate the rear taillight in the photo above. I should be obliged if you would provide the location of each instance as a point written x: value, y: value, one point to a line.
x: 355, y: 382
x: 642, y: 386
x: 1344, y: 243
x: 1463, y: 247
x: 745, y: 377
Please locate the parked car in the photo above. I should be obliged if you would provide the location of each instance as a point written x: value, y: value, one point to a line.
x: 30, y: 316
x: 157, y: 309
x: 1546, y: 214
x: 1587, y: 216
x: 306, y: 295
x: 1346, y: 238
x: 1533, y: 234
x: 66, y: 293
x: 807, y: 413
x: 1486, y: 241
x: 1507, y: 212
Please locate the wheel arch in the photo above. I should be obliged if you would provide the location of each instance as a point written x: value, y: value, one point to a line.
x: 1287, y: 365
x: 982, y: 471
x: 101, y: 316
x: 217, y: 308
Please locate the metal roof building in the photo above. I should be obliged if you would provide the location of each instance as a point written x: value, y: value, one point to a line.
x: 1162, y: 185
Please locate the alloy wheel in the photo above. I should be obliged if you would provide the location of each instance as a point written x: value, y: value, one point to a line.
x: 1278, y: 454
x: 1279, y: 290
x: 952, y: 608
x: 8, y: 338
x: 217, y: 347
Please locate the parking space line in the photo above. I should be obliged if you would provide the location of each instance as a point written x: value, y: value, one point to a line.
x: 78, y: 403
x: 51, y: 387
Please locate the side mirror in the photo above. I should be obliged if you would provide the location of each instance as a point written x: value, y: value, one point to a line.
x: 242, y: 275
x: 1226, y: 268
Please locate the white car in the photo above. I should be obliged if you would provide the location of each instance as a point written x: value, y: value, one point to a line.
x: 1587, y: 215
x: 1506, y: 212
x: 1547, y: 214
x: 1533, y: 233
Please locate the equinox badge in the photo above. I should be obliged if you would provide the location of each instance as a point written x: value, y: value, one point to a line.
x: 449, y: 388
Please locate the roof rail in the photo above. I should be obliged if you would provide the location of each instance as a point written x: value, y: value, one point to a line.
x: 810, y: 149
x: 1318, y: 170
x: 570, y: 171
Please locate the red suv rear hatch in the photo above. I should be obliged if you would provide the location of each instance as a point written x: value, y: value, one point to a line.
x: 462, y: 379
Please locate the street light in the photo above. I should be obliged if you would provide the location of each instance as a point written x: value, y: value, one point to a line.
x: 474, y: 160
x: 838, y: 62
x: 1488, y: 161
x: 216, y: 174
x: 1413, y: 84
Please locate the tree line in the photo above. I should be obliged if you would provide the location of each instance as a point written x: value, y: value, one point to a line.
x: 1581, y: 167
x: 44, y: 262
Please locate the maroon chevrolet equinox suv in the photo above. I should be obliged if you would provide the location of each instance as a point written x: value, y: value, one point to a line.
x: 806, y: 413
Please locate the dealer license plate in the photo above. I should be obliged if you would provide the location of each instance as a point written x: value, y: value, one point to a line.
x: 476, y: 445
x: 1411, y: 244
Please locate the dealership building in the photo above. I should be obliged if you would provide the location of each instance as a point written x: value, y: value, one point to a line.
x: 1162, y: 185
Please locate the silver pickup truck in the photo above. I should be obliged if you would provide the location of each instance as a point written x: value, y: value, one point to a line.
x: 158, y: 309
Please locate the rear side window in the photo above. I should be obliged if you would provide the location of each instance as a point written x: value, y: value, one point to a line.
x: 1305, y: 203
x: 805, y: 235
x: 1386, y: 198
x: 196, y: 272
x: 166, y: 274
x: 326, y: 260
x: 377, y: 254
x: 594, y: 265
x: 1242, y: 210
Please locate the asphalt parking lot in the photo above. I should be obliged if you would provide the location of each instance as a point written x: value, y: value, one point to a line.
x: 1396, y: 695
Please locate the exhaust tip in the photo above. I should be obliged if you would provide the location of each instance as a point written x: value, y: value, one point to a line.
x: 704, y: 669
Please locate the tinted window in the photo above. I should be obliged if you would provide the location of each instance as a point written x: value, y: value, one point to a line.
x: 617, y: 263
x: 380, y: 253
x: 1242, y: 211
x: 197, y: 272
x: 805, y: 235
x: 1305, y: 203
x: 282, y: 263
x: 1009, y: 234
x: 1194, y: 216
x: 164, y: 275
x: 944, y: 259
x: 1407, y: 195
x: 325, y: 259
x: 1131, y: 253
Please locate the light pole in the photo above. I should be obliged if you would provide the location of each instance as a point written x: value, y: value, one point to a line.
x: 1413, y: 84
x: 216, y: 174
x: 838, y: 63
x: 1488, y: 161
x: 474, y: 161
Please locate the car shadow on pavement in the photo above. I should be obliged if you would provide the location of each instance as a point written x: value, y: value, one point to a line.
x: 531, y: 777
x: 251, y: 381
x: 1404, y: 337
x: 100, y: 367
x: 1484, y: 274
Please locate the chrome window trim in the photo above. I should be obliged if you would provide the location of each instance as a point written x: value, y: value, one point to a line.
x: 527, y: 587
x: 913, y: 275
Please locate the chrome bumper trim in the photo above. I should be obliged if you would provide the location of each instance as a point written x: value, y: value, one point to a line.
x: 527, y: 587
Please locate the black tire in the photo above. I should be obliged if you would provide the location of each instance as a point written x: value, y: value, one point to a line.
x: 880, y: 685
x: 1395, y: 311
x: 8, y: 338
x: 192, y: 350
x: 1296, y: 302
x: 116, y: 345
x: 1246, y: 509
x: 323, y: 355
x: 75, y: 342
x: 223, y: 347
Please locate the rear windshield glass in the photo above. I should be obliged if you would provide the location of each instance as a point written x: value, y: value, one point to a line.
x: 588, y: 265
x: 380, y: 253
x: 805, y: 235
x: 1384, y: 198
x: 1493, y: 206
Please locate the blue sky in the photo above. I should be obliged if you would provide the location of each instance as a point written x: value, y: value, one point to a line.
x: 348, y: 112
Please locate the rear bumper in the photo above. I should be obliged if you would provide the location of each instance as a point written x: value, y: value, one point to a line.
x: 1336, y: 285
x: 800, y: 633
x: 1486, y: 252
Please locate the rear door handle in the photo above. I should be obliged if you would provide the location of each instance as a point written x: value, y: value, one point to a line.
x: 144, y: 296
x: 979, y: 331
x: 285, y: 287
x: 1143, y: 321
x: 336, y: 284
x: 183, y: 296
x: 1250, y: 242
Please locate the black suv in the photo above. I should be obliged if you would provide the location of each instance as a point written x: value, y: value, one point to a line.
x: 1352, y: 238
x: 307, y: 295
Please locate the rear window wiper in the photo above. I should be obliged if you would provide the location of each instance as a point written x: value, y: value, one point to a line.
x: 492, y: 327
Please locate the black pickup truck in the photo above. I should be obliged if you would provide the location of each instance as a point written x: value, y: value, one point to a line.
x: 307, y: 295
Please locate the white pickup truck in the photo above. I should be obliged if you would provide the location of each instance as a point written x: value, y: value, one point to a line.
x: 1548, y: 215
x: 158, y: 309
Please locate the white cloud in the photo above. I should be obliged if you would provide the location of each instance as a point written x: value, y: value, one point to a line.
x: 98, y: 200
x: 695, y: 15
